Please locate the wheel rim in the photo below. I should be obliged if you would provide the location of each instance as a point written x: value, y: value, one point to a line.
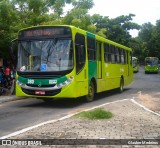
x: 121, y: 85
x: 91, y: 91
x: 90, y: 95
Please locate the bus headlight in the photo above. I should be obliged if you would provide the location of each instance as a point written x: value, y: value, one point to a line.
x: 67, y: 82
x: 20, y: 83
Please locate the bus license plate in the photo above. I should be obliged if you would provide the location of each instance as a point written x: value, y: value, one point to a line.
x: 39, y: 92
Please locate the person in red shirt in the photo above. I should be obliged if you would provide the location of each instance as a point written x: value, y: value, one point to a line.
x: 8, y: 74
x: 7, y: 71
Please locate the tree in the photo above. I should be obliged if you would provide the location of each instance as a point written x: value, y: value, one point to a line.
x: 146, y: 39
x: 156, y: 38
x: 116, y: 29
x: 18, y: 14
x: 31, y: 12
x: 7, y: 20
x: 79, y: 16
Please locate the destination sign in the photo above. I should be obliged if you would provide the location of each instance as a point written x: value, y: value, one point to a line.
x: 45, y: 32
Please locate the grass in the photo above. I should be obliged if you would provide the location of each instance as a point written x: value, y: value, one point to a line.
x: 97, y: 113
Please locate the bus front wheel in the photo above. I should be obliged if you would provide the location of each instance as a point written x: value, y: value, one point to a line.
x: 91, y: 92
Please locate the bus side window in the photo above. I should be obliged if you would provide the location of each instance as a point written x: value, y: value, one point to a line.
x: 112, y: 53
x: 107, y: 54
x: 80, y: 52
x: 122, y: 56
x: 91, y: 49
x: 117, y: 55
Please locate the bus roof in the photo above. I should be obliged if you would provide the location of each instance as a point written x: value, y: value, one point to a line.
x: 84, y: 32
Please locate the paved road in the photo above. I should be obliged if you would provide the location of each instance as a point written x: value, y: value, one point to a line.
x: 20, y: 114
x: 131, y: 123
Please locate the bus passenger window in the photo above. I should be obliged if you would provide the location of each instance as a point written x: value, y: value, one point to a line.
x: 117, y: 55
x: 91, y: 48
x: 107, y: 54
x: 112, y: 53
x: 80, y: 52
x: 122, y: 56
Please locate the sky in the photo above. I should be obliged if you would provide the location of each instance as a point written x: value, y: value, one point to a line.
x: 145, y: 10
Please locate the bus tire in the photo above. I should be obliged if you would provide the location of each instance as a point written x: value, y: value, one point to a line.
x: 91, y: 92
x: 121, y: 85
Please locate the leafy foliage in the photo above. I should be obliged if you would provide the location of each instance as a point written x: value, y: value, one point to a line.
x: 7, y: 20
x: 148, y: 40
x: 18, y: 14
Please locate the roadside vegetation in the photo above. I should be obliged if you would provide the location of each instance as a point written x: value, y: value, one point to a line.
x: 18, y: 14
x: 98, y: 113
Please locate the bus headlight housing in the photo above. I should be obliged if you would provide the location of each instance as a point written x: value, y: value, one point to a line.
x: 20, y: 83
x: 67, y: 82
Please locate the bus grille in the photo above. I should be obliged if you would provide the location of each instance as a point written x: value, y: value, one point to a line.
x: 32, y: 85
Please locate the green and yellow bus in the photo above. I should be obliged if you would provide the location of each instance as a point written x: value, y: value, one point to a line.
x: 135, y: 64
x: 67, y: 62
x: 151, y: 65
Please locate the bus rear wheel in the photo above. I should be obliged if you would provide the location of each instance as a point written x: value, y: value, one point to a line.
x: 121, y: 85
x: 91, y: 92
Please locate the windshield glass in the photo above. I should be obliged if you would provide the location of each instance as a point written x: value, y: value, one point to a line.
x: 47, y: 55
x: 135, y: 62
x: 152, y: 61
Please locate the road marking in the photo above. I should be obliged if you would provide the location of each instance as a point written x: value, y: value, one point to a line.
x: 70, y: 115
x: 26, y: 129
x: 106, y: 104
x: 52, y: 121
x: 145, y: 108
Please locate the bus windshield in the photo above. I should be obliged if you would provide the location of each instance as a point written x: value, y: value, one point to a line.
x: 151, y: 61
x: 135, y: 62
x: 45, y: 55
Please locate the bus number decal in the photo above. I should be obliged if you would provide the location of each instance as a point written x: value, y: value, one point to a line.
x: 30, y: 81
x: 52, y: 81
